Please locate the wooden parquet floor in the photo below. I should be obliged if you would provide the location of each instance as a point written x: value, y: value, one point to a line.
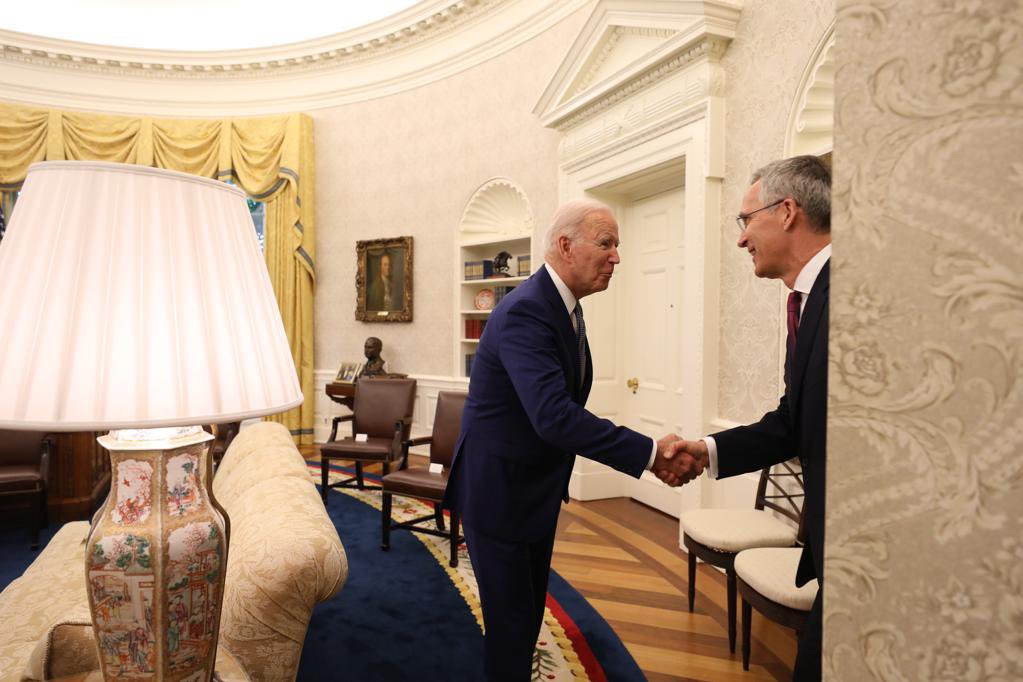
x: 624, y: 557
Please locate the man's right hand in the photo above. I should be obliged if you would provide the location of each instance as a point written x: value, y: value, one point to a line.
x: 679, y: 461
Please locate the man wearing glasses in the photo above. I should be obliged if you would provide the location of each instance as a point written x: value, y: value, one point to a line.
x: 785, y: 225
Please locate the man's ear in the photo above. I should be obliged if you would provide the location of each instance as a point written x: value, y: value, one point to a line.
x: 564, y: 246
x: 791, y: 209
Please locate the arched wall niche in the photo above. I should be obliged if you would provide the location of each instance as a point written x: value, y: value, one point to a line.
x: 812, y: 118
x: 498, y: 208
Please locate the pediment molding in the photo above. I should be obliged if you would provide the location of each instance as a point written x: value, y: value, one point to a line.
x: 675, y: 35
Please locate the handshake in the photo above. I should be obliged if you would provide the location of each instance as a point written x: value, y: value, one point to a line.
x: 679, y: 461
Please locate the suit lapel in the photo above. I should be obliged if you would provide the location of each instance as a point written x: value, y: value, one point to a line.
x: 563, y: 324
x: 808, y: 330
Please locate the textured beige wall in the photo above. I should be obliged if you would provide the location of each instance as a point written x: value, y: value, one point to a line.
x: 407, y: 165
x: 924, y: 554
x: 774, y: 43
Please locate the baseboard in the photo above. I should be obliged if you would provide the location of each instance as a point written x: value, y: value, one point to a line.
x: 596, y: 482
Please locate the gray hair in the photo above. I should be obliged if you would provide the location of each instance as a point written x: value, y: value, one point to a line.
x: 568, y: 220
x: 807, y: 179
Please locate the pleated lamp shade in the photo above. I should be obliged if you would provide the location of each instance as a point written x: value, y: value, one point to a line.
x: 134, y: 297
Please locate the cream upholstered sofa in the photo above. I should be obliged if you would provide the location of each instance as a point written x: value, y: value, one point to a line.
x: 284, y: 556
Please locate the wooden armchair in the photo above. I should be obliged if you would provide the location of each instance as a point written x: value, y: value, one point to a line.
x: 715, y: 536
x: 24, y: 472
x: 423, y: 484
x: 383, y: 412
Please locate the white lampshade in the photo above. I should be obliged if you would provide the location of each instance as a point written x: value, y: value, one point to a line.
x: 134, y: 297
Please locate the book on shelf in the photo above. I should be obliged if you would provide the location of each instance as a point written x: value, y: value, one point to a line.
x: 524, y: 265
x: 500, y: 292
x: 468, y: 363
x: 474, y: 328
x: 478, y: 269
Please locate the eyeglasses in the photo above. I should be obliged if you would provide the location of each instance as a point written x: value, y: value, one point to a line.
x: 742, y: 220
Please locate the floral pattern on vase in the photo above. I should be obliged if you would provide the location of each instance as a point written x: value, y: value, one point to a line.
x: 134, y: 492
x: 195, y: 557
x: 182, y: 484
x: 121, y: 587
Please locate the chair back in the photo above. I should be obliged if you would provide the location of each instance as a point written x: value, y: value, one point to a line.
x: 21, y: 448
x: 379, y: 403
x: 447, y: 423
x: 781, y: 490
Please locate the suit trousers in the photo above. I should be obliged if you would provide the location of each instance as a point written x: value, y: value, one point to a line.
x: 512, y: 579
x: 808, y: 659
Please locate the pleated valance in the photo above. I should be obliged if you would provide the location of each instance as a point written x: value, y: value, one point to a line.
x: 270, y: 158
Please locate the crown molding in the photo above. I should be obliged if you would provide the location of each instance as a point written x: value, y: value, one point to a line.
x: 428, y: 42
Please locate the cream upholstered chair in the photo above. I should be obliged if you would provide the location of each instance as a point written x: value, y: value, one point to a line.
x: 715, y: 536
x: 766, y: 579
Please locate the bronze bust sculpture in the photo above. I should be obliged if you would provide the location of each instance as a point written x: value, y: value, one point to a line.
x: 374, y: 366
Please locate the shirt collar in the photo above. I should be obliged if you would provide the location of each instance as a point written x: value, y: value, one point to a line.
x: 808, y: 275
x: 566, y: 294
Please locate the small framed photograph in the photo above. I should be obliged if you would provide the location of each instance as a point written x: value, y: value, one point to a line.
x: 383, y: 280
x: 348, y: 372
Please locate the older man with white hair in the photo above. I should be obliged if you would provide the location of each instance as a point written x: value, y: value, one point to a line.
x: 523, y: 424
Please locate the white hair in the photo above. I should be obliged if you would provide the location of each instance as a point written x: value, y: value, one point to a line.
x: 568, y: 220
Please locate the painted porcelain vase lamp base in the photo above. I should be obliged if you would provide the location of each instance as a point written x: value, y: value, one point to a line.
x: 160, y: 526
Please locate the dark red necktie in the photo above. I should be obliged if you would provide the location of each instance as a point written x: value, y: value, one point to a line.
x: 793, y: 320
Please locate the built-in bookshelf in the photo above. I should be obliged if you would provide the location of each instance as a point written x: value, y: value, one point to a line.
x: 496, y: 220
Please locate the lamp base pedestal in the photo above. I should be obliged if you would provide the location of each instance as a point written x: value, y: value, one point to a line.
x: 156, y: 559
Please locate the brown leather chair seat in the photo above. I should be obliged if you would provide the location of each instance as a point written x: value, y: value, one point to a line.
x: 19, y: 477
x: 372, y: 448
x: 419, y: 483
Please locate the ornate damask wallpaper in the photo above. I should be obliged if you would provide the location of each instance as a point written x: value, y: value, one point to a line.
x: 924, y: 558
x: 773, y: 45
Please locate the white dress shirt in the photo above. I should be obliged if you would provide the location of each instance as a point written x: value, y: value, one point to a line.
x: 570, y: 302
x: 803, y: 284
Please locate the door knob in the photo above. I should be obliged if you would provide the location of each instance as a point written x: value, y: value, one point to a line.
x: 633, y: 383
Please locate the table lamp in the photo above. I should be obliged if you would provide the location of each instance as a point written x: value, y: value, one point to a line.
x: 136, y: 300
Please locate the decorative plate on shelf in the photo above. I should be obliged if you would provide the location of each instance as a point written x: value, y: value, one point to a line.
x: 484, y: 300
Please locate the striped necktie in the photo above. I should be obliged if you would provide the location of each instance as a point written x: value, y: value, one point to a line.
x: 580, y: 335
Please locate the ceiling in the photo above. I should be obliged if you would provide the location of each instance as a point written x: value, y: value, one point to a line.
x: 195, y: 25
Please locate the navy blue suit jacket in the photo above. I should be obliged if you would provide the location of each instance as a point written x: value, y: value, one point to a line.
x: 524, y: 420
x: 797, y: 427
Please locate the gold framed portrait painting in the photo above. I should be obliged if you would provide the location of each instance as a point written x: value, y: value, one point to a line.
x: 383, y: 282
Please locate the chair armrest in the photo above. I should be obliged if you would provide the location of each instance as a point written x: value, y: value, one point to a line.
x: 422, y: 440
x: 345, y: 418
x: 412, y: 442
x: 46, y: 447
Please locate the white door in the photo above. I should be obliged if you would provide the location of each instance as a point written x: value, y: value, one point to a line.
x: 653, y: 264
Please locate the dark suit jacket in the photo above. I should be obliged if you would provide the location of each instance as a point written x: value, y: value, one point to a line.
x: 524, y: 420
x: 798, y: 426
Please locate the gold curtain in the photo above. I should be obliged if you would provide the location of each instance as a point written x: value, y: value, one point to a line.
x: 270, y: 158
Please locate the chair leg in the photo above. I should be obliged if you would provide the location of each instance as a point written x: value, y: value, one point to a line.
x: 385, y: 515
x: 46, y: 509
x: 358, y: 476
x: 692, y: 580
x: 730, y: 575
x: 324, y: 478
x: 747, y: 616
x: 438, y: 514
x: 453, y: 563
